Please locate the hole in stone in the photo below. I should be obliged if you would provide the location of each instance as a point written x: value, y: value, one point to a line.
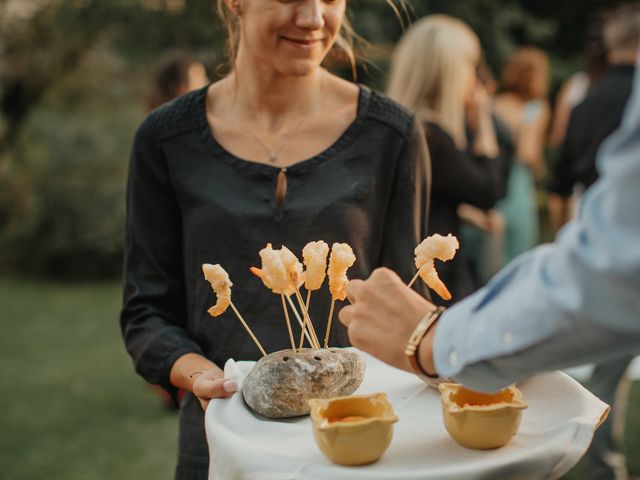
x: 317, y: 358
x: 333, y: 351
x: 284, y: 359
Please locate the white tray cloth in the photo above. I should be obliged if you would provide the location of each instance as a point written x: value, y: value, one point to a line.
x: 555, y: 432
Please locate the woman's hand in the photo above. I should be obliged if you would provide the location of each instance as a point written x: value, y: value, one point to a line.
x: 382, y: 316
x: 212, y: 384
x: 199, y: 375
x: 481, y: 101
x: 478, y: 116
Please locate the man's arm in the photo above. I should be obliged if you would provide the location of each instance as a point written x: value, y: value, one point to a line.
x: 575, y: 301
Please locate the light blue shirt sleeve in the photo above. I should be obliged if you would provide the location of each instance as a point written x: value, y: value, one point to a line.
x: 571, y: 302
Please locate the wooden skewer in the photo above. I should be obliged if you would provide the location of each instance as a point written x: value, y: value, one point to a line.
x: 286, y: 315
x: 306, y: 317
x: 326, y: 335
x: 247, y: 328
x: 300, y: 322
x: 415, y: 277
x: 302, y: 332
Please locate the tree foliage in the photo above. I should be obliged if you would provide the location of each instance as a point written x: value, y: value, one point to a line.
x: 73, y: 77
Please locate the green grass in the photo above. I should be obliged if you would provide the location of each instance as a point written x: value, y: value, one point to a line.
x: 72, y: 407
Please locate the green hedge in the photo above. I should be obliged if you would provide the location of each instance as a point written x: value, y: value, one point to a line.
x: 62, y: 198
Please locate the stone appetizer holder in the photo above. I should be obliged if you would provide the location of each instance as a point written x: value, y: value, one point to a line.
x: 281, y: 384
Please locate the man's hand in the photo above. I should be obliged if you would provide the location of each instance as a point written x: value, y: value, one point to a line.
x: 382, y: 315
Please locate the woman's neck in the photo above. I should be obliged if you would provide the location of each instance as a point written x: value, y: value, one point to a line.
x: 270, y: 98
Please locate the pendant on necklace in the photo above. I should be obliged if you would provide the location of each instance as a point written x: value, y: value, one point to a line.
x: 273, y: 158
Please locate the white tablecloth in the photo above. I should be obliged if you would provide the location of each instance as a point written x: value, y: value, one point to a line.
x: 555, y: 432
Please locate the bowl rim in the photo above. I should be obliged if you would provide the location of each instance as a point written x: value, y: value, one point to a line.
x: 447, y: 389
x: 319, y: 420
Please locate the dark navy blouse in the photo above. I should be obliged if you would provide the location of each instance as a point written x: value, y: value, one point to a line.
x: 190, y: 202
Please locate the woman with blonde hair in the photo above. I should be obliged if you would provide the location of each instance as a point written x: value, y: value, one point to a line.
x: 433, y: 73
x: 280, y: 150
x: 521, y: 104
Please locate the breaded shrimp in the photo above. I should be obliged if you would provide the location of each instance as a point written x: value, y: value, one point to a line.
x: 432, y: 247
x: 315, y: 261
x: 221, y: 285
x: 279, y: 269
x: 340, y: 260
x: 292, y: 266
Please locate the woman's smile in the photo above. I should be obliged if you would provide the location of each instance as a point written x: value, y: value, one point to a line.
x: 302, y: 43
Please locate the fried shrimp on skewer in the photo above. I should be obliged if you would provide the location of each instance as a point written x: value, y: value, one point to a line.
x: 293, y: 268
x: 315, y: 261
x: 314, y: 255
x: 273, y: 272
x: 297, y: 276
x: 341, y: 259
x: 221, y: 285
x: 279, y: 268
x: 282, y: 273
x: 432, y: 247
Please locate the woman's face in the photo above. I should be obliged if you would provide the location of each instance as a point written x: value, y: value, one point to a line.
x: 291, y: 36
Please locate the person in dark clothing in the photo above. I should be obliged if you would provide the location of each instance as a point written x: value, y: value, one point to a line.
x: 597, y: 116
x: 433, y: 73
x: 590, y: 123
x: 278, y: 151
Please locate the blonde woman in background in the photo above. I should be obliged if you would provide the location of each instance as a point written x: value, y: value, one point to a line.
x: 522, y: 105
x: 433, y: 73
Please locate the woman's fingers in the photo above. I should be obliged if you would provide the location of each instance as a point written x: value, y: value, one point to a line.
x: 206, y: 388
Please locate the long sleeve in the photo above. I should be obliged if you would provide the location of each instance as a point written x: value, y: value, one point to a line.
x: 153, y: 314
x: 571, y: 302
x: 410, y: 193
x: 459, y: 177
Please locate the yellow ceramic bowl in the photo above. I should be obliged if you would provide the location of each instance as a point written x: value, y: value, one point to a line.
x: 478, y: 420
x: 353, y: 430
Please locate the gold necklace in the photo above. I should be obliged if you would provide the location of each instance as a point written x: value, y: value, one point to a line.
x: 273, y: 154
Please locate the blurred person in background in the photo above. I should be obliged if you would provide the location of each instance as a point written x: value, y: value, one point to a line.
x: 590, y: 123
x: 522, y: 105
x: 433, y: 73
x: 575, y: 88
x: 482, y: 231
x: 598, y: 115
x: 279, y: 150
x: 176, y: 74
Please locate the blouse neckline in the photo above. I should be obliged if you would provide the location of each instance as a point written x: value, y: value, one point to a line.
x: 364, y: 96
